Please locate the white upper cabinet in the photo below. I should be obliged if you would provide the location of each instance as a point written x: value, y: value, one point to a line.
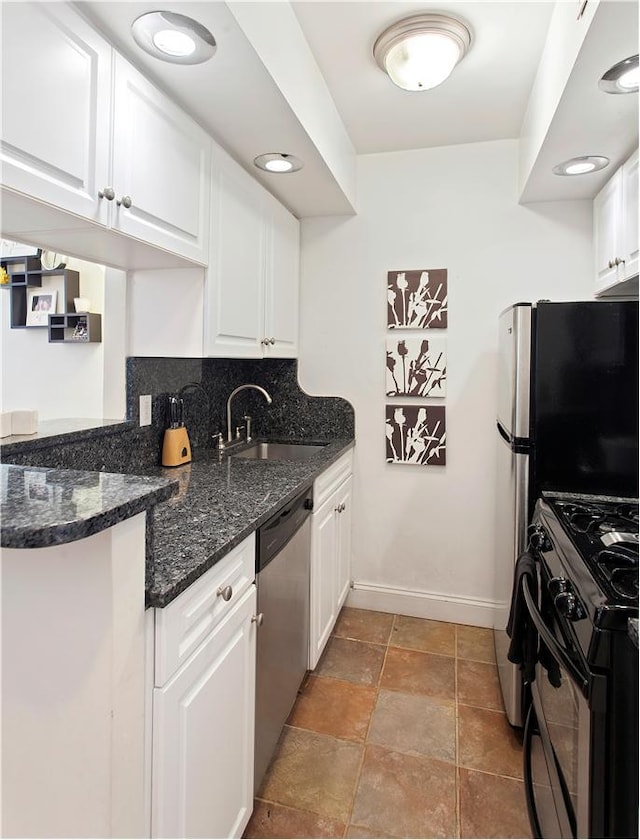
x: 85, y: 134
x: 161, y: 166
x: 615, y: 228
x: 234, y: 303
x: 282, y: 282
x: 56, y: 106
x: 251, y: 308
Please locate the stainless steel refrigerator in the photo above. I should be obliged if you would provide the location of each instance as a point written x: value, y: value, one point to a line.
x: 567, y: 420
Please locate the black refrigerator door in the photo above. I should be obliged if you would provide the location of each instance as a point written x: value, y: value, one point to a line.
x: 585, y: 397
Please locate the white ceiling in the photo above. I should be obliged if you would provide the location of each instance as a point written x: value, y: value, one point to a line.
x: 484, y: 99
x: 238, y: 102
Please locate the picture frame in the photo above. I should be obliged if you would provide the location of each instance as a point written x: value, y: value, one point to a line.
x: 40, y: 304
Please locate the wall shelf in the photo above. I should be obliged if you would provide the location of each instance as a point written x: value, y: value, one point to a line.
x: 75, y: 328
x: 26, y: 273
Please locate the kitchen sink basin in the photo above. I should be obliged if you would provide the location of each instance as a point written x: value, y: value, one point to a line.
x: 280, y: 451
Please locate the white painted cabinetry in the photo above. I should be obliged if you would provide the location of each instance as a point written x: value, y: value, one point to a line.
x: 204, y: 703
x: 251, y: 307
x: 84, y: 133
x: 161, y: 168
x: 615, y: 228
x: 56, y: 107
x: 330, y: 552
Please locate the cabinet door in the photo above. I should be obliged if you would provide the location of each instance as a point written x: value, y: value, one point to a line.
x: 162, y: 163
x: 343, y: 560
x: 607, y: 223
x: 630, y: 216
x: 282, y: 282
x: 203, y: 730
x: 324, y: 542
x: 56, y: 118
x: 234, y: 317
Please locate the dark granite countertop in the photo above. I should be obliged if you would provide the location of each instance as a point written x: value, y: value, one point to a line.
x: 42, y: 507
x: 56, y: 432
x: 221, y: 500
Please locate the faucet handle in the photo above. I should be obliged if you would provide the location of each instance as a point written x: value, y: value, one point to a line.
x: 238, y: 430
x: 219, y: 441
x: 247, y: 420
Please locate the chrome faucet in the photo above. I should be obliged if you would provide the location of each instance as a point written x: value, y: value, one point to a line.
x: 232, y: 395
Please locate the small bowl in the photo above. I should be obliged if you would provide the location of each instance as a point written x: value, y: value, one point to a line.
x: 82, y: 304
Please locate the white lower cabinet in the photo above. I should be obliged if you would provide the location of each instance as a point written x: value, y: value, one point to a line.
x: 203, y: 713
x: 330, y: 553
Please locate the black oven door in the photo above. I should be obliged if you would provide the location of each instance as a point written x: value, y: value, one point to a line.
x: 557, y: 754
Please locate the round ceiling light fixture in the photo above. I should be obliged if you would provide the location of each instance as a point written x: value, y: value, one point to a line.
x: 581, y: 165
x: 623, y: 77
x: 278, y: 162
x: 172, y: 37
x: 419, y: 52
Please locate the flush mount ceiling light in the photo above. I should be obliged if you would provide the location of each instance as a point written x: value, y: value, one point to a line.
x: 623, y: 77
x: 172, y: 37
x: 278, y: 162
x: 581, y: 165
x: 418, y: 53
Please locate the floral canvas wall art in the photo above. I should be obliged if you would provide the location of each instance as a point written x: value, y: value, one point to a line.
x: 416, y: 367
x: 416, y: 434
x: 417, y: 300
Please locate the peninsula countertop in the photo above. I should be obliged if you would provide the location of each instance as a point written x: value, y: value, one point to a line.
x: 42, y: 506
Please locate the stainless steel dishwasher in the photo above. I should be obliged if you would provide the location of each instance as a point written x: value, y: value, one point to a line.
x: 282, y: 579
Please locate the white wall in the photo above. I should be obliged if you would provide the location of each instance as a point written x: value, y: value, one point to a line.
x: 423, y: 536
x: 165, y: 312
x: 67, y: 380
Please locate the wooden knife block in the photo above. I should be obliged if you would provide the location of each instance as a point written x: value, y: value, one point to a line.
x: 176, y: 448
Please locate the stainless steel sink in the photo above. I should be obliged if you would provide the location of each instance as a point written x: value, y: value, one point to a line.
x: 280, y: 451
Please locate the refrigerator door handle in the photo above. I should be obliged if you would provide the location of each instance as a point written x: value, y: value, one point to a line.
x: 505, y: 437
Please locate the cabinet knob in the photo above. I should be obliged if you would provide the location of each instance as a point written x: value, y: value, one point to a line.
x: 225, y: 592
x: 618, y: 261
x: 258, y: 619
x: 125, y: 201
x: 264, y: 341
x: 272, y: 340
x: 611, y: 264
x: 108, y: 193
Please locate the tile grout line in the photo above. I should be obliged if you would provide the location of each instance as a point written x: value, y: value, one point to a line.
x: 366, y: 736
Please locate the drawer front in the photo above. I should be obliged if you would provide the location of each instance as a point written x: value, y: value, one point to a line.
x: 184, y: 624
x: 332, y: 478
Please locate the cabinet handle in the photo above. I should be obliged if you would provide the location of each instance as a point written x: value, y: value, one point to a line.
x: 619, y: 261
x: 257, y: 619
x: 125, y: 201
x: 342, y: 507
x: 264, y: 341
x: 108, y: 193
x: 226, y: 592
x: 272, y: 340
x: 611, y: 264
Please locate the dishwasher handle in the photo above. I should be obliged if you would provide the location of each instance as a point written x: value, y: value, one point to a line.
x: 279, y: 528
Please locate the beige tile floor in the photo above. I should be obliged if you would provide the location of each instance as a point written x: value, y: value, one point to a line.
x: 399, y: 732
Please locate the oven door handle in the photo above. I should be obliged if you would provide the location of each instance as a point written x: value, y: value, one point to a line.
x: 555, y: 649
x: 528, y: 774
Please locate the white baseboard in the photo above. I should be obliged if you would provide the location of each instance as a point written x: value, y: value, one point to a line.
x: 477, y: 612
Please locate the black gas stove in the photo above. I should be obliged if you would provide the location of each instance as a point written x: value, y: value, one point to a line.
x: 600, y: 556
x: 584, y: 716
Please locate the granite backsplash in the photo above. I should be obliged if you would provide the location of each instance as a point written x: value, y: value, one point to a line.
x: 204, y: 385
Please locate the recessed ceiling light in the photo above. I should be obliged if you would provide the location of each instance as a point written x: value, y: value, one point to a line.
x: 172, y: 37
x: 418, y: 53
x: 278, y: 162
x: 581, y: 165
x: 623, y: 77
